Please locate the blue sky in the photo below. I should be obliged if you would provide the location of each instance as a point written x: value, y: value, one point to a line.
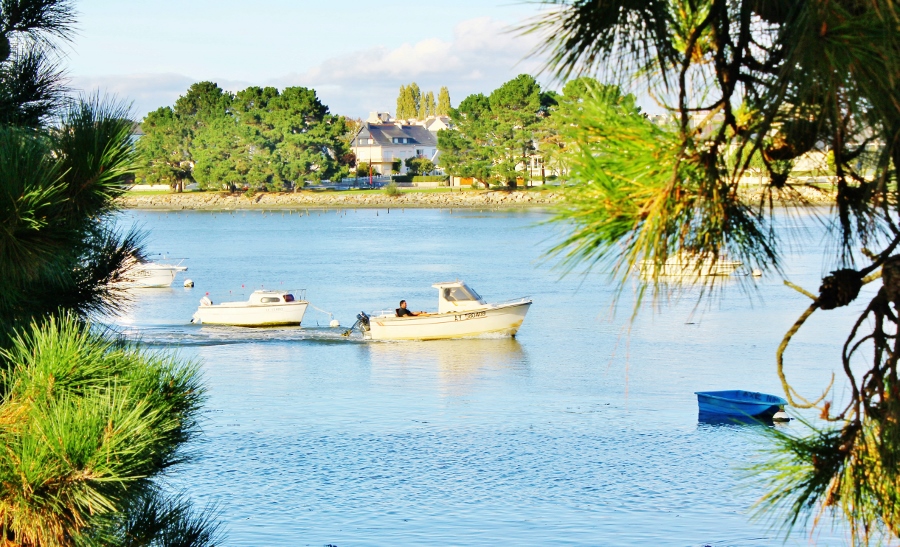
x: 355, y: 54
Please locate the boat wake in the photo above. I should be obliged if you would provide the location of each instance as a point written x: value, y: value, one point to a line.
x: 200, y: 336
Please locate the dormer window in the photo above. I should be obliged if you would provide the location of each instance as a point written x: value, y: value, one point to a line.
x: 401, y: 140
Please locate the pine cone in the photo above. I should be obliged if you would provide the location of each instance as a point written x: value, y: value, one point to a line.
x: 839, y: 289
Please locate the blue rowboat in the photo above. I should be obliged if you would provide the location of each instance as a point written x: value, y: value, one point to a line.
x: 737, y: 402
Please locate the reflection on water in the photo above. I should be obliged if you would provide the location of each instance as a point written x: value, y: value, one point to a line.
x: 571, y: 433
x: 460, y: 363
x: 718, y: 420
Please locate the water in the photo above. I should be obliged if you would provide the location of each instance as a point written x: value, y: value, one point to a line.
x: 581, y: 431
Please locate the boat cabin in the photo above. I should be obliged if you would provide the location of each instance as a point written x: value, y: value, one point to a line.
x: 270, y: 297
x: 455, y: 296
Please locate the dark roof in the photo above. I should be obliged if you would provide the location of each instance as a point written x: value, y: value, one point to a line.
x: 384, y: 134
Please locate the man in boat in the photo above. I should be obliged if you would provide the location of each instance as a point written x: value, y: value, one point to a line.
x: 403, y: 312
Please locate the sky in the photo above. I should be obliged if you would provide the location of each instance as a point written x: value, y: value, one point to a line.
x: 356, y: 54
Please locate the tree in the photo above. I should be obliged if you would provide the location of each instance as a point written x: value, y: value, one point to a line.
x: 410, y: 103
x: 754, y: 80
x: 494, y: 136
x: 516, y: 105
x: 401, y: 103
x: 165, y: 149
x: 88, y: 423
x: 443, y: 102
x: 429, y: 105
x: 466, y: 151
x: 419, y: 166
x: 258, y: 137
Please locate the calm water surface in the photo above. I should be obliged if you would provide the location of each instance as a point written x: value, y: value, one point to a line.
x: 578, y: 432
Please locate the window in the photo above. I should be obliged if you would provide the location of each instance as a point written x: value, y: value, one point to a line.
x: 366, y: 141
x: 460, y: 294
x: 269, y: 299
x: 401, y: 140
x: 419, y: 152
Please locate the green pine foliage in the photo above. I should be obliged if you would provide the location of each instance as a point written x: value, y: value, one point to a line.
x: 751, y: 86
x: 494, y: 137
x: 87, y: 422
x: 258, y: 137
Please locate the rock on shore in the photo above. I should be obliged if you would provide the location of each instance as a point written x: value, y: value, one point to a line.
x: 799, y: 195
x: 334, y: 200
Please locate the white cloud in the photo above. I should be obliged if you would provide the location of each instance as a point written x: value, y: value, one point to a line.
x: 482, y: 54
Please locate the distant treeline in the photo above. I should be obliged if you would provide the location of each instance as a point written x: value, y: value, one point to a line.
x: 497, y: 138
x: 258, y: 137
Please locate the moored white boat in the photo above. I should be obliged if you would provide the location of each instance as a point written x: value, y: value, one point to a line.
x: 150, y: 275
x: 262, y: 309
x: 683, y: 265
x: 462, y: 313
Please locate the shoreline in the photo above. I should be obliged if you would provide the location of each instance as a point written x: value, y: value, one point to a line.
x: 487, y: 199
x: 214, y: 201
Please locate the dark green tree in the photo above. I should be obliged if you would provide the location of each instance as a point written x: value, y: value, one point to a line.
x: 419, y: 166
x: 766, y: 81
x: 516, y: 106
x: 87, y: 422
x: 165, y: 149
x: 494, y: 136
x: 259, y: 137
x: 466, y: 150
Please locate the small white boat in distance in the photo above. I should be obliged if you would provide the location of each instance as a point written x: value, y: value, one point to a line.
x: 461, y: 314
x: 685, y: 265
x: 263, y: 309
x: 150, y: 275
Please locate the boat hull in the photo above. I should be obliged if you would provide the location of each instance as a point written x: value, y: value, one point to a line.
x: 678, y: 267
x: 243, y: 315
x: 151, y: 276
x: 738, y: 403
x: 502, y: 320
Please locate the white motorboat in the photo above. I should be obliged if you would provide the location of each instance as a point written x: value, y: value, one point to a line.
x: 683, y: 265
x: 150, y: 275
x: 263, y: 309
x: 461, y: 314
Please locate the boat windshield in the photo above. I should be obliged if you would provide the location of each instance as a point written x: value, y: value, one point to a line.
x: 460, y: 294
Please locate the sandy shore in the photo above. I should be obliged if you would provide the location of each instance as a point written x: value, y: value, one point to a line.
x: 334, y: 200
x: 434, y: 200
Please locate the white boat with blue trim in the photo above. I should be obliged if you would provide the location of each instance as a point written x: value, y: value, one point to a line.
x: 462, y: 313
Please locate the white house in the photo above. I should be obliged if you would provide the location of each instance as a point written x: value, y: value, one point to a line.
x: 380, y: 144
x: 436, y: 123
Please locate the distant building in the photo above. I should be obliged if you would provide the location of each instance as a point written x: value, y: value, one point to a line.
x: 436, y: 123
x: 379, y: 144
x: 379, y: 117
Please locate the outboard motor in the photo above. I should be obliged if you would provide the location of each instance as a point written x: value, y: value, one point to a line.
x: 363, y: 321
